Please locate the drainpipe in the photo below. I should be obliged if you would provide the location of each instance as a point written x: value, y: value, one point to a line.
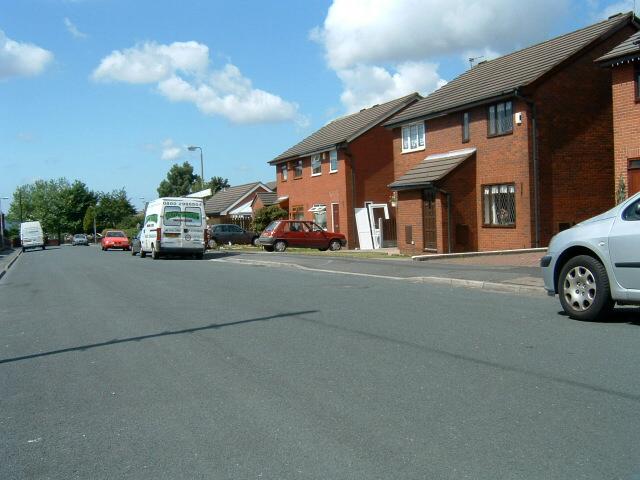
x: 353, y: 231
x: 536, y: 173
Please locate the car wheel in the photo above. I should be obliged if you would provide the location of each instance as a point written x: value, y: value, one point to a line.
x: 199, y: 256
x: 324, y: 249
x: 143, y: 254
x: 268, y: 248
x: 155, y: 254
x: 280, y: 246
x: 43, y: 247
x: 212, y: 243
x: 254, y: 242
x: 584, y: 290
x: 335, y: 245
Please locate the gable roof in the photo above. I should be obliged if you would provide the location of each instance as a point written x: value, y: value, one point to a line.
x: 267, y: 198
x: 504, y: 75
x: 224, y: 200
x: 346, y: 129
x: 431, y: 169
x: 627, y: 50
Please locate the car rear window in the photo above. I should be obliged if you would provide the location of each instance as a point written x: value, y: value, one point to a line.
x: 272, y: 226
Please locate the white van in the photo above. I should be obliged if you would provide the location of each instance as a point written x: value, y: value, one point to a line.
x: 173, y: 226
x: 31, y: 235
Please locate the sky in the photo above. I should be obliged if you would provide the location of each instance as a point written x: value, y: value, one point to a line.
x: 112, y: 92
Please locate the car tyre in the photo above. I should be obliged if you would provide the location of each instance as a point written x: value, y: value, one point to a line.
x: 43, y: 247
x: 335, y: 245
x: 143, y: 254
x: 280, y: 246
x: 324, y: 249
x: 584, y: 288
x: 24, y: 249
x: 254, y: 241
x: 155, y: 254
x: 199, y: 256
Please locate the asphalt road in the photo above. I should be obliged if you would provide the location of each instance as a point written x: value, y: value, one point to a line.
x: 121, y: 367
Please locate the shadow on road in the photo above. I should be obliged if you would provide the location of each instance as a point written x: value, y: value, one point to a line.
x: 115, y: 341
x: 628, y: 315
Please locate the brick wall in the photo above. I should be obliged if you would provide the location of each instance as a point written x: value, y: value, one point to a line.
x: 575, y: 123
x: 626, y: 120
x: 502, y: 159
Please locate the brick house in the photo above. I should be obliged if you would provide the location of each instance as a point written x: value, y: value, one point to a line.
x: 624, y: 61
x: 344, y: 166
x: 512, y: 151
x: 233, y: 204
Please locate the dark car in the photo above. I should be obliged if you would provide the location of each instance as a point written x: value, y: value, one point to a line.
x: 136, y: 245
x: 281, y: 234
x: 224, y: 233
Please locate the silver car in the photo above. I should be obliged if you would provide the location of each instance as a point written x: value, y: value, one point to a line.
x: 596, y: 264
x: 79, y: 239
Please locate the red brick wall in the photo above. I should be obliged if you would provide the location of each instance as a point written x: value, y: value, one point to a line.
x: 324, y: 189
x: 503, y: 159
x: 575, y: 123
x: 626, y: 120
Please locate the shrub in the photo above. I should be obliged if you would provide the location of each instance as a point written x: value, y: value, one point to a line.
x: 266, y: 215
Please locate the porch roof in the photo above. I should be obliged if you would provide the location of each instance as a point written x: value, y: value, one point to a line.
x: 431, y: 169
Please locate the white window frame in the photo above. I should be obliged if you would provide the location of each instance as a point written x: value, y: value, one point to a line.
x: 408, y: 128
x: 285, y: 171
x: 331, y: 153
x: 317, y: 157
x: 298, y: 163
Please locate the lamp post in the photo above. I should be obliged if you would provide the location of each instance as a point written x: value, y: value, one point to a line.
x: 2, y: 223
x: 193, y: 148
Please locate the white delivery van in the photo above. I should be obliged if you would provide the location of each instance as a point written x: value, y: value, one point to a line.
x: 173, y: 226
x: 31, y: 235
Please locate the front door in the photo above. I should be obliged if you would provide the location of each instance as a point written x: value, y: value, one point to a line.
x: 377, y: 212
x: 633, y: 174
x: 429, y: 220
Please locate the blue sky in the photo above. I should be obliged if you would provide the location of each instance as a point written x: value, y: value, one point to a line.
x: 111, y: 92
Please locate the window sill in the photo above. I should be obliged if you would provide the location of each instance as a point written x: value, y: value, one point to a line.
x: 297, y: 178
x: 495, y: 135
x: 333, y: 171
x: 499, y: 226
x: 316, y: 174
x: 414, y: 150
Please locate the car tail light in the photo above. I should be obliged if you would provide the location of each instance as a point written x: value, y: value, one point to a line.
x: 158, y: 236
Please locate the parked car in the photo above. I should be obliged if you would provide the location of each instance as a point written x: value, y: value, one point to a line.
x: 136, y: 244
x: 224, y: 233
x: 115, y: 239
x: 281, y: 234
x: 79, y: 239
x: 596, y: 263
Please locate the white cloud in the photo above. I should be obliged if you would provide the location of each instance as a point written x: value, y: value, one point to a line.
x: 393, y: 40
x: 170, y: 151
x: 73, y: 30
x: 182, y: 74
x: 21, y: 59
x: 366, y: 85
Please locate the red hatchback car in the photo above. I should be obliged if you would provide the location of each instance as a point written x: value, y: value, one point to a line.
x: 115, y: 239
x: 281, y: 234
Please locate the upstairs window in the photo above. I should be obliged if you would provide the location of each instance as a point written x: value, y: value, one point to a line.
x: 413, y: 137
x: 333, y: 161
x: 465, y: 127
x: 500, y: 118
x: 285, y: 172
x: 316, y: 165
x: 298, y: 169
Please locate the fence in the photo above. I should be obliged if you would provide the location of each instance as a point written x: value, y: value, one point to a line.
x: 388, y: 233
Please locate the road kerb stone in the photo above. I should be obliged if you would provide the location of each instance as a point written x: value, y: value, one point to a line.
x: 4, y: 270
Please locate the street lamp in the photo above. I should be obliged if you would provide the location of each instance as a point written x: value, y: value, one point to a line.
x: 2, y: 223
x: 193, y: 148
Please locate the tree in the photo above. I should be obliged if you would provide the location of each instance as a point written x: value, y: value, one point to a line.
x: 217, y: 183
x: 113, y: 208
x: 266, y: 215
x: 76, y: 199
x: 87, y: 221
x: 179, y: 182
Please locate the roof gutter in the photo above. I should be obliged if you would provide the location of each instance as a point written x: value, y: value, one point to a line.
x: 536, y: 168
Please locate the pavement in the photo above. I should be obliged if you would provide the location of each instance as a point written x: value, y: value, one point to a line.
x: 512, y: 273
x: 7, y: 259
x: 112, y: 366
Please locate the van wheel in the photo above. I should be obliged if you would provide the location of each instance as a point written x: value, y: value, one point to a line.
x: 583, y: 288
x: 335, y: 245
x: 280, y: 246
x: 24, y: 249
x: 155, y: 254
x: 143, y: 254
x: 199, y: 256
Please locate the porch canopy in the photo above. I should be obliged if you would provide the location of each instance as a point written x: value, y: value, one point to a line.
x: 431, y: 169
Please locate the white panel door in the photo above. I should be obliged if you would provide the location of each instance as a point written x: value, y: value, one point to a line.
x: 364, y: 229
